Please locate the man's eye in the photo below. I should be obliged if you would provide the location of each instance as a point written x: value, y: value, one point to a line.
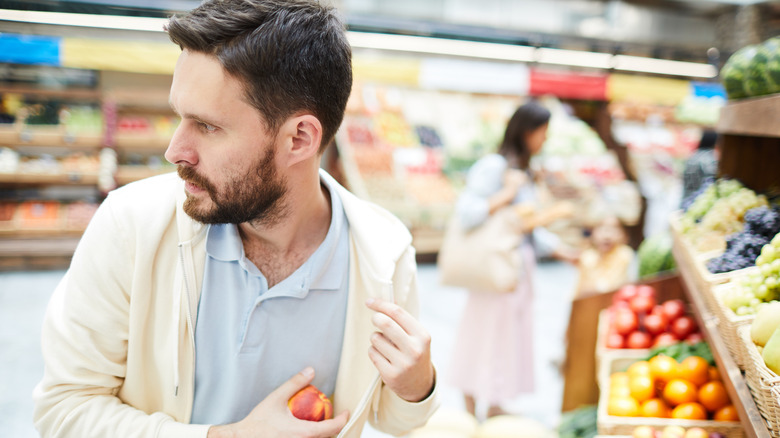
x: 208, y: 128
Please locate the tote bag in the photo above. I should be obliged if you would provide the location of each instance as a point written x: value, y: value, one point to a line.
x: 484, y: 258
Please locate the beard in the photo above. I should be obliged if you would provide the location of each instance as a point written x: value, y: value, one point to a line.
x: 256, y: 197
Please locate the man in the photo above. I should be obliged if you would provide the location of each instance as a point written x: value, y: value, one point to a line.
x: 197, y: 304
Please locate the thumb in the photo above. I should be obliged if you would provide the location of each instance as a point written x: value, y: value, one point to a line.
x: 295, y: 384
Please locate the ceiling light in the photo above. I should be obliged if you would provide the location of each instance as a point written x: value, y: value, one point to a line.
x: 664, y: 66
x: 441, y: 46
x: 574, y: 58
x: 85, y: 20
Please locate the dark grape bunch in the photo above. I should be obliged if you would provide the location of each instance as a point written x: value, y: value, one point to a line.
x: 742, y: 248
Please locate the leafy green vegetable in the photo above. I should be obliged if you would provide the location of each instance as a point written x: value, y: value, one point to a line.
x: 579, y: 423
x: 682, y: 350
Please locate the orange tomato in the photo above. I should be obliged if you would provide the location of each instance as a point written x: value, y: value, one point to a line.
x: 713, y: 396
x: 695, y: 370
x: 663, y: 368
x: 655, y: 407
x: 640, y: 368
x: 679, y: 391
x: 714, y: 374
x: 620, y: 391
x: 690, y: 411
x: 726, y: 413
x: 641, y: 388
x: 623, y: 407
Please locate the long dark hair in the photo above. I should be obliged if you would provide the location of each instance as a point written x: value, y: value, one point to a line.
x: 291, y: 55
x: 525, y: 120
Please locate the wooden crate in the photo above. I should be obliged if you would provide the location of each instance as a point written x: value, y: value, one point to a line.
x: 614, y: 425
x: 763, y: 383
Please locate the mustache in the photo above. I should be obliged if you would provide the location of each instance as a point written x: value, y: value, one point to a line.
x: 190, y: 175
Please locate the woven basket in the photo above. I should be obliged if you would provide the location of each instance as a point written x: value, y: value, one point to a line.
x: 763, y: 383
x: 706, y: 281
x: 613, y: 425
x: 728, y: 325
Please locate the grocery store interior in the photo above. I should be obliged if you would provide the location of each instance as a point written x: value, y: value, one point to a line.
x: 663, y: 140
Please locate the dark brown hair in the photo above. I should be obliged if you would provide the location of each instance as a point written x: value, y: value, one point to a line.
x: 291, y: 55
x: 525, y: 120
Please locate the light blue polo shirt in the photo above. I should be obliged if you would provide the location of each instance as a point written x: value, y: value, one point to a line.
x: 250, y: 339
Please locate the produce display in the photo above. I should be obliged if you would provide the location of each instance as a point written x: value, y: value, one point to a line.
x: 637, y: 321
x: 753, y: 70
x: 673, y: 432
x: 655, y: 255
x: 754, y: 289
x: 662, y: 387
x: 765, y: 333
x: 717, y: 213
x: 742, y: 248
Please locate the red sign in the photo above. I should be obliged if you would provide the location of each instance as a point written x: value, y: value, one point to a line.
x: 568, y: 85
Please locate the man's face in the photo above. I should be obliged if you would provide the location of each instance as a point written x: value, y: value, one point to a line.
x: 222, y: 149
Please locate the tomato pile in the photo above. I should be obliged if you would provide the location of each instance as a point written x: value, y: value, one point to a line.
x: 637, y: 320
x: 661, y: 387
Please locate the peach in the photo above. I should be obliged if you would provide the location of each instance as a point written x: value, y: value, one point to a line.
x: 311, y: 404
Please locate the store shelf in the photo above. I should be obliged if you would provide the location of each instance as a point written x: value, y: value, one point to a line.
x: 83, y: 179
x: 756, y: 117
x: 128, y: 174
x: 70, y: 93
x: 734, y: 380
x: 141, y: 143
x: 49, y: 136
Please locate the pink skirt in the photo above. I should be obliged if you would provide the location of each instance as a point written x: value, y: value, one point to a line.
x: 493, y: 352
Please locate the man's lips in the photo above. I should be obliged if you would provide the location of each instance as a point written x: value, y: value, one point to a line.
x: 192, y: 188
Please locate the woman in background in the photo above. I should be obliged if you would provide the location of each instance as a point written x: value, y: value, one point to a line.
x: 493, y: 354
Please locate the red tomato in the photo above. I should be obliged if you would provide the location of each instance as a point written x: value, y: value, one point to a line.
x: 625, y: 293
x: 655, y: 324
x: 665, y: 339
x: 682, y: 327
x: 642, y: 304
x: 645, y: 290
x: 694, y: 338
x: 639, y: 340
x: 673, y: 309
x: 615, y: 340
x: 625, y: 321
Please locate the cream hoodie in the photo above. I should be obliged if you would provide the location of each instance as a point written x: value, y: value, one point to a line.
x: 118, y: 335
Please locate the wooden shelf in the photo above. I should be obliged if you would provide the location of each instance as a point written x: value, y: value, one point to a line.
x: 46, y: 136
x: 141, y: 143
x: 84, y: 179
x: 733, y: 379
x: 70, y: 93
x: 754, y: 117
x: 128, y: 174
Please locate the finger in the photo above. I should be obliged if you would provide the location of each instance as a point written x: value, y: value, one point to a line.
x: 295, y: 384
x: 332, y: 427
x: 390, y: 329
x: 385, y: 347
x: 380, y: 362
x: 397, y: 313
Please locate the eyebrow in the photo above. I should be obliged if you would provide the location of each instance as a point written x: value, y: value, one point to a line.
x: 191, y: 116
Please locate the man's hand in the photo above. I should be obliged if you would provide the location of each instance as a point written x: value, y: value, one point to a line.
x: 271, y: 418
x: 401, y: 351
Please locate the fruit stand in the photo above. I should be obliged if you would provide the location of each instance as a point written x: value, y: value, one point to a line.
x: 751, y: 151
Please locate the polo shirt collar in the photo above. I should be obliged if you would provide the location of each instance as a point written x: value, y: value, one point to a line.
x: 224, y: 243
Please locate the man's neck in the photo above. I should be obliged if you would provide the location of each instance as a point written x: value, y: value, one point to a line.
x: 281, y: 248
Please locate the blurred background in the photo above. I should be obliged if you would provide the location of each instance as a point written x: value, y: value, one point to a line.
x: 632, y: 86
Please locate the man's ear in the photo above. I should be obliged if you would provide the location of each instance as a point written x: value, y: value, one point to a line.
x: 303, y: 135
